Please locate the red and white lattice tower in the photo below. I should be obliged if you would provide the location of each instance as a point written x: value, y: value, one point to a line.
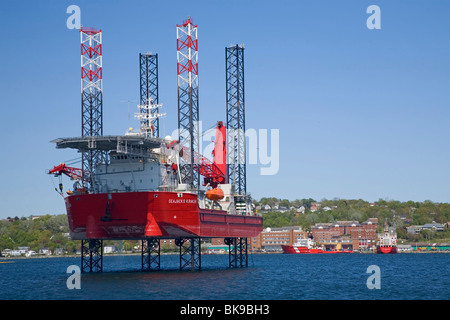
x: 188, y: 110
x: 91, y: 96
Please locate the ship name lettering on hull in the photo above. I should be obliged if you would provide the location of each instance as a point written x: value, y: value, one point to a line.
x: 177, y: 201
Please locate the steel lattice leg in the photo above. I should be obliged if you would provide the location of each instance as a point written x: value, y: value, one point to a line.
x: 231, y: 242
x: 92, y: 255
x: 189, y: 132
x: 244, y: 252
x: 190, y: 253
x: 235, y: 99
x: 237, y: 252
x: 151, y: 254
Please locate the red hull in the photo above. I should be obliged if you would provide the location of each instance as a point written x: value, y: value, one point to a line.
x: 391, y: 249
x: 305, y: 250
x: 138, y: 215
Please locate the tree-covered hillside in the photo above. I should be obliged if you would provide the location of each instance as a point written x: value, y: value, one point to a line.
x: 49, y: 231
x: 395, y: 213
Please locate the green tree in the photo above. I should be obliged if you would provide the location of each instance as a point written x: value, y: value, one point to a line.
x: 312, y: 218
x: 421, y: 216
x: 285, y: 203
x: 307, y: 202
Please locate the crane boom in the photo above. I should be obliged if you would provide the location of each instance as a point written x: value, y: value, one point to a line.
x: 214, y: 172
x: 73, y: 173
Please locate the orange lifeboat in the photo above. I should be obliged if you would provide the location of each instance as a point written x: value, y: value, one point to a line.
x: 214, y: 194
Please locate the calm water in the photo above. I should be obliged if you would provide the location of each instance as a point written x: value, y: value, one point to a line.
x: 268, y: 277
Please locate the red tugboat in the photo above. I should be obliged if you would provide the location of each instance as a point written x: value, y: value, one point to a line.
x: 387, y: 242
x: 306, y: 246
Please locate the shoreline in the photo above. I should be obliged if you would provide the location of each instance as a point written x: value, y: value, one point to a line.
x: 4, y: 259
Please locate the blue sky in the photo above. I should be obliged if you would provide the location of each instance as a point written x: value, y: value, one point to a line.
x: 362, y: 113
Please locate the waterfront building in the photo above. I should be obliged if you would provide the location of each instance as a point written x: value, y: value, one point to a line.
x: 404, y: 248
x: 365, y: 233
x: 271, y: 239
x: 340, y: 234
x: 431, y: 247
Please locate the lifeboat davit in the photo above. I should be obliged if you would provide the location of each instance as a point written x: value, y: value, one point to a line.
x: 214, y: 194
